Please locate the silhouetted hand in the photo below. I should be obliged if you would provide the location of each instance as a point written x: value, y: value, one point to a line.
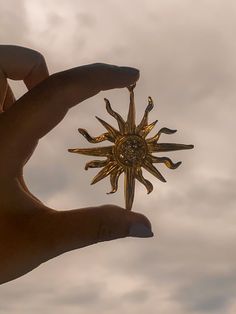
x: 30, y: 232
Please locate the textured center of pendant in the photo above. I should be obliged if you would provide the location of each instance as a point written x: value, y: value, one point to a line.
x: 131, y: 150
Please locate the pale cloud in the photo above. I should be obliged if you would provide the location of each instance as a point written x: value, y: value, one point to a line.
x: 186, y: 53
x: 208, y: 293
x: 13, y: 25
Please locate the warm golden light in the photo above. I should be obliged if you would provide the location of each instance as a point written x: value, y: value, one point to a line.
x: 130, y: 152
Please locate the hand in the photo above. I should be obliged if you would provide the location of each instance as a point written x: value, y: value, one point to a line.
x: 30, y: 232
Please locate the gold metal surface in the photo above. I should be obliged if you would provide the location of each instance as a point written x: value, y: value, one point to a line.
x: 131, y: 150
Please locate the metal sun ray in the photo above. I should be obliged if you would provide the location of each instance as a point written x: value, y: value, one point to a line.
x: 131, y: 150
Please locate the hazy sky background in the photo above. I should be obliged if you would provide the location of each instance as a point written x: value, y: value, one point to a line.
x: 186, y: 52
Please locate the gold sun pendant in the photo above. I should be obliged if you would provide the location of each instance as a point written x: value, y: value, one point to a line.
x: 131, y: 150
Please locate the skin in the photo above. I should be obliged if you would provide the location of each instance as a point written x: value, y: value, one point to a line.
x: 30, y: 232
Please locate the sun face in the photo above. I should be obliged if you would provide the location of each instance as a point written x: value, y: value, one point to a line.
x: 130, y: 150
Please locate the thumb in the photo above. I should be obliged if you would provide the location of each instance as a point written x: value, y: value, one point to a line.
x: 114, y: 222
x: 82, y: 227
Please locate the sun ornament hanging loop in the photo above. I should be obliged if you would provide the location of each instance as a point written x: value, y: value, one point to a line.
x: 130, y: 151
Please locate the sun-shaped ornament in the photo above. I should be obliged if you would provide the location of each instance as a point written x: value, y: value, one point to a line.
x: 131, y: 150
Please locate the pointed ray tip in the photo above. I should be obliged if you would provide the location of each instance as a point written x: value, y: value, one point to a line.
x: 176, y: 165
x: 111, y: 192
x: 150, y: 191
x: 150, y: 99
x: 71, y: 150
x: 99, y: 119
x: 150, y: 104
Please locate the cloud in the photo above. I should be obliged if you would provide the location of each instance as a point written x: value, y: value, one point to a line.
x: 186, y: 54
x: 86, y: 20
x: 13, y: 25
x: 208, y: 294
x: 136, y: 296
x: 86, y: 295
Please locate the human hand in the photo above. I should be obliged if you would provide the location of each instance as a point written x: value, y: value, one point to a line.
x: 30, y: 232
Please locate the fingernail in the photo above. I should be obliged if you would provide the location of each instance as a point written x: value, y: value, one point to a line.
x: 139, y: 230
x: 132, y: 71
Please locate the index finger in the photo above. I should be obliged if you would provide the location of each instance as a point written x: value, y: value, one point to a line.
x: 43, y: 107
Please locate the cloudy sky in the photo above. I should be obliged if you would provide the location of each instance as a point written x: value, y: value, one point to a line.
x: 186, y: 52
